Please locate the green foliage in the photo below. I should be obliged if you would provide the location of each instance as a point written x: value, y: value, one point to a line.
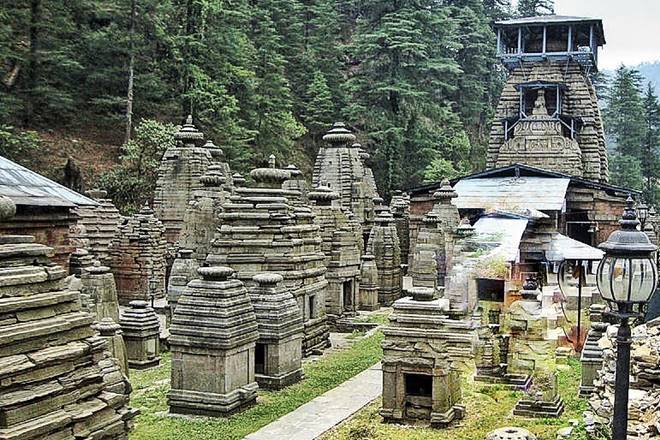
x: 151, y: 387
x: 440, y: 169
x: 532, y: 8
x: 133, y: 182
x: 626, y: 171
x: 15, y: 144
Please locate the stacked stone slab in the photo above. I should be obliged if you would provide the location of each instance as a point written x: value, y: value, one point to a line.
x: 56, y: 379
x: 279, y: 348
x: 383, y: 244
x: 340, y: 165
x: 100, y: 224
x: 540, y: 143
x: 201, y: 218
x: 99, y: 292
x: 592, y: 353
x: 420, y: 383
x: 368, y: 293
x: 212, y: 339
x: 184, y: 270
x: 428, y: 265
x: 400, y: 207
x: 179, y: 175
x: 262, y: 232
x: 644, y: 395
x: 141, y: 329
x: 137, y: 258
x: 110, y: 330
x: 297, y: 182
x: 342, y: 252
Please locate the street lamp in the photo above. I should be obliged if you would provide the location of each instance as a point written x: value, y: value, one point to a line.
x: 642, y: 213
x: 627, y: 277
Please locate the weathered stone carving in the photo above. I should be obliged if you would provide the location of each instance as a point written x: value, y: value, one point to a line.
x: 420, y: 383
x: 278, y: 355
x: 111, y: 332
x: 137, y: 258
x: 212, y: 338
x: 184, y: 270
x: 99, y: 292
x: 400, y: 207
x: 56, y: 378
x: 141, y: 329
x: 100, y: 225
x: 178, y: 176
x: 384, y: 246
x: 592, y: 354
x: 368, y: 293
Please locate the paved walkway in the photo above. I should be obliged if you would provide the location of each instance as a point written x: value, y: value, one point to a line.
x: 326, y: 411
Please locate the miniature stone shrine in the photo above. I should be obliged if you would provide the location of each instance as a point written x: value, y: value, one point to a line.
x: 368, y: 293
x: 99, y: 292
x: 201, y: 218
x: 420, y: 383
x: 141, y: 329
x: 340, y: 165
x: 297, y: 182
x: 262, y: 232
x: 278, y: 353
x: 100, y: 224
x: 591, y: 357
x: 400, y: 207
x: 137, y: 258
x: 178, y: 177
x: 531, y: 351
x: 110, y: 330
x: 383, y: 244
x: 212, y: 338
x: 340, y: 246
x: 57, y: 381
x: 184, y: 270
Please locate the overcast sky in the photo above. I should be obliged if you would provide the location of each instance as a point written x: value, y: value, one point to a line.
x: 632, y: 28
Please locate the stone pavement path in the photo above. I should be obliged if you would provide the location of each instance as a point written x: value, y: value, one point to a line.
x: 326, y: 411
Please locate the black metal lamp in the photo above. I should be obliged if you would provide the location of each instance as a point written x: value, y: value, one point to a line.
x: 642, y: 213
x: 627, y: 278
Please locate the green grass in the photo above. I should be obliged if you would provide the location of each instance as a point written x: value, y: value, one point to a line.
x: 487, y: 408
x: 151, y: 387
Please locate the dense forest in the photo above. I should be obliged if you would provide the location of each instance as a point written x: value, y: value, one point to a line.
x: 417, y: 79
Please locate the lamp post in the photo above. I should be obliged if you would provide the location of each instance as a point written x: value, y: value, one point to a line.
x: 627, y: 277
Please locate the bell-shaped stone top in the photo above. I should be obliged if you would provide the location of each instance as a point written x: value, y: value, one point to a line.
x: 188, y: 134
x: 216, y: 152
x: 465, y: 229
x: 97, y: 269
x: 268, y: 279
x: 422, y: 293
x: 146, y: 209
x: 339, y: 135
x: 97, y: 194
x: 140, y: 318
x: 7, y: 208
x: 216, y: 273
x: 107, y: 327
x: 323, y: 195
x: 384, y: 216
x: 445, y: 193
x: 238, y: 179
x: 213, y: 177
x: 294, y: 172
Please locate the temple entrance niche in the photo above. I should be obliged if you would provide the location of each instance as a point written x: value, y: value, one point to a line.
x: 349, y: 295
x: 260, y: 355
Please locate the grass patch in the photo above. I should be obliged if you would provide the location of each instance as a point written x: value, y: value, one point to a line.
x: 487, y: 408
x: 151, y: 387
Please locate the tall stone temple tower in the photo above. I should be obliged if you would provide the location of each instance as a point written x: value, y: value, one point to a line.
x: 548, y: 115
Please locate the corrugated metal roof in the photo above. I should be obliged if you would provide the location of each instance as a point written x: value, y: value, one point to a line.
x: 512, y: 193
x: 507, y: 232
x: 565, y: 248
x: 547, y: 19
x: 25, y: 187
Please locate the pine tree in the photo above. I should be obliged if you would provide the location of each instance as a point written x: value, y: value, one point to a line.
x: 650, y: 168
x: 624, y: 113
x: 532, y: 8
x: 498, y: 9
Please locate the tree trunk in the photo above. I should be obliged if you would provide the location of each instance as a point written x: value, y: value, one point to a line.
x: 131, y: 72
x: 33, y: 61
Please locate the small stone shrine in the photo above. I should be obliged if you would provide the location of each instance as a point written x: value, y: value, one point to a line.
x: 262, y: 231
x: 56, y: 378
x: 400, y: 207
x: 342, y: 252
x: 178, y: 177
x: 100, y: 224
x: 278, y: 353
x: 592, y: 354
x: 137, y: 258
x: 428, y: 263
x: 368, y: 293
x: 420, y: 383
x: 297, y: 182
x: 99, y: 293
x: 201, y: 220
x: 111, y: 331
x: 212, y: 339
x: 383, y: 244
x: 141, y: 329
x: 184, y: 270
x: 340, y: 165
x: 531, y: 351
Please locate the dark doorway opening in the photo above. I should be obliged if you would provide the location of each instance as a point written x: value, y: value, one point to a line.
x: 419, y: 385
x: 489, y: 289
x: 348, y: 295
x: 312, y: 306
x: 260, y: 359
